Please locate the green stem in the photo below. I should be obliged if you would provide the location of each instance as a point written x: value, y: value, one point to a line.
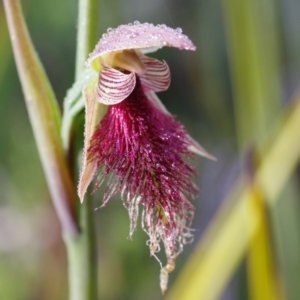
x: 87, y: 31
x: 44, y: 117
x: 81, y: 249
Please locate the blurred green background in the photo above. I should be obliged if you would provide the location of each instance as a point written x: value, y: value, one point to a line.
x: 228, y: 94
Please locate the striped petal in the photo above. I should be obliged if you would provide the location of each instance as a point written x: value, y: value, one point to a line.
x: 114, y: 86
x: 157, y: 76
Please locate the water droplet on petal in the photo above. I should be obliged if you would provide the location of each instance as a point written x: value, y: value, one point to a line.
x: 136, y: 23
x: 179, y: 30
x: 133, y: 35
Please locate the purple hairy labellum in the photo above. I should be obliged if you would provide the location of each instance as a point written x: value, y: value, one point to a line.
x: 133, y: 143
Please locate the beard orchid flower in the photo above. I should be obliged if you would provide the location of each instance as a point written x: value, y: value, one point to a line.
x: 133, y: 143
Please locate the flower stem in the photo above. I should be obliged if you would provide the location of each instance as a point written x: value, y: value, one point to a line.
x: 44, y: 117
x: 87, y: 30
x: 82, y: 255
x: 81, y: 250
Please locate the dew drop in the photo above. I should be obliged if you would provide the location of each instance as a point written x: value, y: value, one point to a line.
x: 133, y: 35
x: 136, y: 23
x: 178, y: 30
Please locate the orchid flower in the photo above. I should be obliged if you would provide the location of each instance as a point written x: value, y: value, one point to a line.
x: 133, y: 143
